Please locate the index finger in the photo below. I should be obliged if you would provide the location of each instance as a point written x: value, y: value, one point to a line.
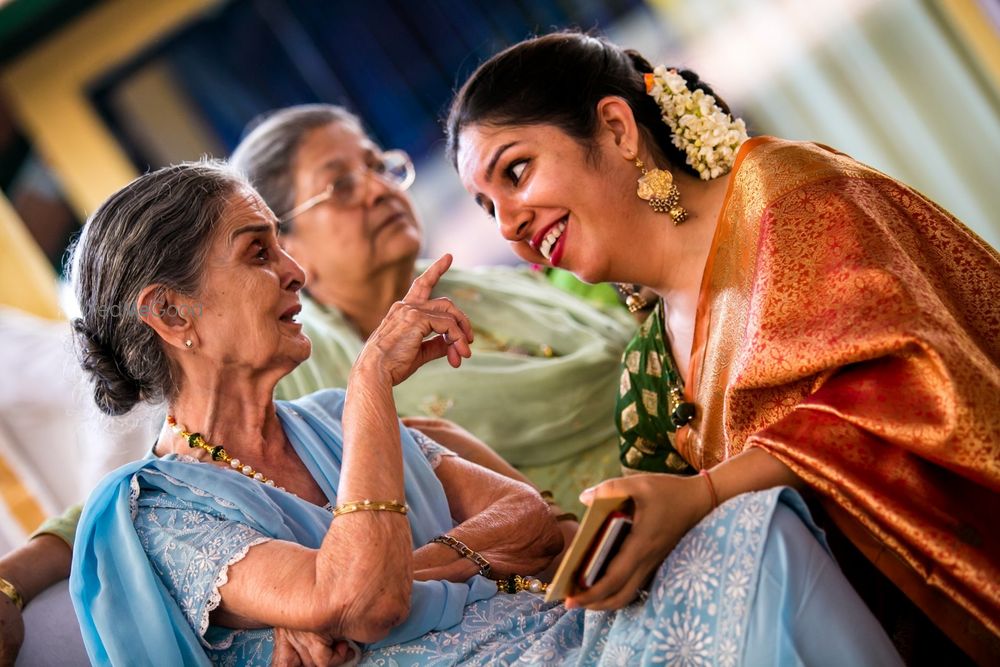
x: 422, y: 287
x: 616, y: 486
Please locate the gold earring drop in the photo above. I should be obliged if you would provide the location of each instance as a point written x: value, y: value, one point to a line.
x: 188, y: 343
x: 634, y: 301
x: 657, y: 187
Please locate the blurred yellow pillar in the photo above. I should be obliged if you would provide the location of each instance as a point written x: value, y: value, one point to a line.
x: 27, y: 281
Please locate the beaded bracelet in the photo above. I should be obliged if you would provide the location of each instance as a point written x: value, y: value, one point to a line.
x: 484, y: 566
x: 515, y: 583
x: 370, y: 506
x: 10, y: 591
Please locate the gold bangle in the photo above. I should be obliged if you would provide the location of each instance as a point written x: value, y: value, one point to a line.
x: 10, y: 591
x: 464, y: 551
x: 370, y: 506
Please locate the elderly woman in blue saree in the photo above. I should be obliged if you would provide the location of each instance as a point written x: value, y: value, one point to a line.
x: 321, y: 530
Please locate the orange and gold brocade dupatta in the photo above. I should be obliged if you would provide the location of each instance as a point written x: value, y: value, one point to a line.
x: 851, y: 328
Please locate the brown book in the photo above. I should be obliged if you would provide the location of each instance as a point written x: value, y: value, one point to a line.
x: 592, y: 529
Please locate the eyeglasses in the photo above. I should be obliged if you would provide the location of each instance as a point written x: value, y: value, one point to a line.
x: 349, y: 189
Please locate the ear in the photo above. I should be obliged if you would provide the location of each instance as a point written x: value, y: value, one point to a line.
x: 617, y: 122
x: 169, y: 314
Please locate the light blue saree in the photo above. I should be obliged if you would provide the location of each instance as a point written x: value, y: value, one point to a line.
x: 157, y: 536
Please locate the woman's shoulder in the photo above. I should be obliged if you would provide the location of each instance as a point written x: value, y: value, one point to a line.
x: 796, y: 163
x: 770, y: 171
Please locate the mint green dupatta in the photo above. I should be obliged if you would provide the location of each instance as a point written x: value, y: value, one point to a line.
x: 541, y: 384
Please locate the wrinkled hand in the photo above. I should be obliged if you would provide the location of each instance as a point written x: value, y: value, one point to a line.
x: 11, y: 631
x: 666, y: 508
x: 293, y: 648
x: 419, y: 329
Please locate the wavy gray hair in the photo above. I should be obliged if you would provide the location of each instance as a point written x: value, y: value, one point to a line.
x: 154, y: 231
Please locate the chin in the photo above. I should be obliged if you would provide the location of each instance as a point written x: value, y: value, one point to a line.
x: 590, y: 268
x: 529, y: 257
x: 399, y: 249
x: 298, y: 350
x: 589, y: 275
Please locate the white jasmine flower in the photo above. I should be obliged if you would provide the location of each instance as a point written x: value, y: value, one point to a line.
x: 708, y: 136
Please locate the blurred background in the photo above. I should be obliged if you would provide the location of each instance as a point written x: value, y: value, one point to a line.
x: 93, y: 93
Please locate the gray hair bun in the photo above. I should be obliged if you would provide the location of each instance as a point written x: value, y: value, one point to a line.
x: 115, y: 391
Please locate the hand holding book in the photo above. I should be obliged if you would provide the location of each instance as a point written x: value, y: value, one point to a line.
x: 605, y: 525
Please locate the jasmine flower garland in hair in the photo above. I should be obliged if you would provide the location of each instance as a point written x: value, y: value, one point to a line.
x: 707, y: 135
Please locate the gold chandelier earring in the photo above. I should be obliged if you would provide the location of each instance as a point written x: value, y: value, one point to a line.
x: 634, y: 300
x: 656, y: 186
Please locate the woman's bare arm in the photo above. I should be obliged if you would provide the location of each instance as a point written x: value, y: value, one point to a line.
x: 464, y: 444
x: 503, y: 519
x: 30, y: 569
x: 357, y: 584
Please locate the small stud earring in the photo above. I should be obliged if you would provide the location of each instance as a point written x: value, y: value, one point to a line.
x: 188, y: 343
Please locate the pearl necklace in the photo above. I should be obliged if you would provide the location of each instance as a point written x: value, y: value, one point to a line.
x: 218, y: 452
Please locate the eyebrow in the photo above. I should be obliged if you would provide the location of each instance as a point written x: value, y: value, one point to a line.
x: 340, y: 162
x: 250, y: 229
x: 332, y: 164
x: 496, y: 158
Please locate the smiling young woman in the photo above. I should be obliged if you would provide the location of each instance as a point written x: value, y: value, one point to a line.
x: 799, y: 292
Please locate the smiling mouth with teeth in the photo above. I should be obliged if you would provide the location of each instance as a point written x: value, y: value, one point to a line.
x: 550, y: 240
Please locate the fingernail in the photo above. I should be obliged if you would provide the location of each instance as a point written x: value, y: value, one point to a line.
x: 586, y: 494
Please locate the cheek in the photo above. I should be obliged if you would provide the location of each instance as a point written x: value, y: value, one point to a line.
x: 241, y: 308
x: 333, y: 241
x: 248, y: 333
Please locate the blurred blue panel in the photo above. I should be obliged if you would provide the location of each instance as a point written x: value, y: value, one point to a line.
x: 396, y: 63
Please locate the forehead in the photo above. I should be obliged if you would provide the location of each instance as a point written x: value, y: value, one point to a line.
x: 479, y: 144
x: 243, y: 207
x: 323, y: 146
x: 476, y: 145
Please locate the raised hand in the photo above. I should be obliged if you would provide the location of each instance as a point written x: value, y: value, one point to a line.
x: 419, y: 329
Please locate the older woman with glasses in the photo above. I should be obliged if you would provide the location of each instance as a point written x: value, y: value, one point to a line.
x: 542, y: 385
